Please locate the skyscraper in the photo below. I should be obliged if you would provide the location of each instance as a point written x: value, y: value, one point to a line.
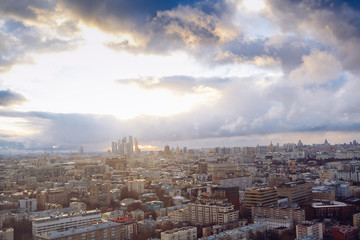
x: 167, y: 150
x: 137, y: 150
x: 114, y: 147
x: 130, y: 145
x: 124, y: 147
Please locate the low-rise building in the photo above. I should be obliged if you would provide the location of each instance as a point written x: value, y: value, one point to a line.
x: 184, y: 233
x: 296, y: 215
x: 344, y: 232
x: 29, y: 205
x: 356, y: 220
x: 7, y: 234
x: 102, y: 230
x: 62, y: 222
x: 310, y: 229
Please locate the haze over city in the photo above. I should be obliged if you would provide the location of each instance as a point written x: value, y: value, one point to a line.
x: 188, y: 73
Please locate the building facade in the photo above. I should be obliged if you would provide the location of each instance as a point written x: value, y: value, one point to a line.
x: 100, y: 194
x: 64, y: 222
x: 102, y: 230
x: 184, y: 233
x: 296, y: 192
x: 266, y: 196
x: 296, y: 215
x: 310, y: 229
x: 205, y: 214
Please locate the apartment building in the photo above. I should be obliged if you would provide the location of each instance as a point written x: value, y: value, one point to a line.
x: 100, y: 194
x: 204, y: 214
x: 296, y: 192
x: 297, y: 215
x: 62, y: 222
x: 265, y: 196
x: 310, y: 229
x: 184, y: 233
x: 101, y: 230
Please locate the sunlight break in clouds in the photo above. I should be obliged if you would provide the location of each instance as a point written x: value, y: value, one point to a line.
x: 254, y: 5
x: 86, y: 72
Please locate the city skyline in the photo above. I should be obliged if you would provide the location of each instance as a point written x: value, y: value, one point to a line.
x: 188, y: 73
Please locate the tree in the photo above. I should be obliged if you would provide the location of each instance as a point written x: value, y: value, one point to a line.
x: 125, y: 193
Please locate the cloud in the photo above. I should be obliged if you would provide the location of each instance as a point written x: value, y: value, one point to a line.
x: 333, y: 25
x: 9, y: 98
x: 178, y: 84
x: 317, y: 68
x: 307, y: 50
x: 31, y: 27
x: 25, y: 8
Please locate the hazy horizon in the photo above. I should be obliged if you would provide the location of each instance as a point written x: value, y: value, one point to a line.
x: 183, y: 73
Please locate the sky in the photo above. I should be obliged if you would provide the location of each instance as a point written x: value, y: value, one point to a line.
x: 185, y: 73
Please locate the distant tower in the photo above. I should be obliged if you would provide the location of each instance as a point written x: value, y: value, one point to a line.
x: 177, y: 150
x: 81, y: 150
x: 52, y: 155
x: 326, y: 142
x: 137, y: 150
x: 114, y: 147
x: 44, y: 160
x: 123, y: 146
x: 300, y: 144
x: 167, y: 150
x: 131, y: 145
x: 271, y: 147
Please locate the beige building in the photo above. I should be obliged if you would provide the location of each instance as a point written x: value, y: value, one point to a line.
x: 356, y: 220
x: 7, y: 234
x: 296, y: 192
x: 296, y: 215
x: 184, y: 233
x: 219, y: 170
x: 100, y: 194
x: 137, y: 186
x: 321, y: 195
x: 204, y: 214
x: 266, y: 196
x: 180, y: 215
x: 57, y: 196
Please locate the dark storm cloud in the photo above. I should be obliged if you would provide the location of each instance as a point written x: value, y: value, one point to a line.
x: 25, y: 8
x: 122, y: 14
x: 9, y: 98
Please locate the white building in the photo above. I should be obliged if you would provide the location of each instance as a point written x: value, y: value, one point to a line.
x: 180, y: 215
x: 184, y: 233
x: 204, y: 214
x: 273, y: 222
x: 64, y: 222
x: 28, y: 204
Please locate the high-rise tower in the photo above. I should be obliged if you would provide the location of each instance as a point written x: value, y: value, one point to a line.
x: 137, y: 150
x: 131, y: 145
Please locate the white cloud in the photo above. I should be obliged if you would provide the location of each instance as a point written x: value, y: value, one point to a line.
x: 317, y: 68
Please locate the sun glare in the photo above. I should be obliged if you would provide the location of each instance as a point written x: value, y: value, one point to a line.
x: 253, y: 5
